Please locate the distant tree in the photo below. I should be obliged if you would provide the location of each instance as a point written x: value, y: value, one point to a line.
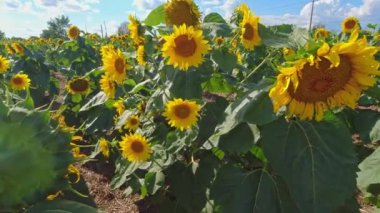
x: 122, y: 29
x: 2, y: 35
x: 56, y: 27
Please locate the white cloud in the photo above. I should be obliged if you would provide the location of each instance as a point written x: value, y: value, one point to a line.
x: 211, y: 2
x: 145, y: 6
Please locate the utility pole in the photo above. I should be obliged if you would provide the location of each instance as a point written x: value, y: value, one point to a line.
x: 101, y: 30
x: 105, y: 28
x: 311, y: 15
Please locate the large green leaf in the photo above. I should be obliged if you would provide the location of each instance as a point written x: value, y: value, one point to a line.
x: 316, y: 160
x: 62, y: 206
x: 214, y: 17
x: 217, y: 84
x: 240, y: 139
x: 225, y: 60
x: 369, y: 172
x: 156, y: 16
x: 367, y: 124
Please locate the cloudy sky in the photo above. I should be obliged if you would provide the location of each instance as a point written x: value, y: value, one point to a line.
x: 24, y: 18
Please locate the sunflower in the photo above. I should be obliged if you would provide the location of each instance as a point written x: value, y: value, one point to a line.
x: 321, y: 33
x: 103, y: 147
x: 179, y: 12
x: 107, y: 86
x: 132, y: 123
x: 119, y: 106
x: 73, y: 32
x: 349, y: 24
x: 18, y: 48
x: 243, y: 8
x: 182, y: 114
x: 141, y: 55
x: 134, y: 30
x: 10, y: 49
x: 4, y: 64
x: 334, y: 79
x: 185, y: 47
x: 79, y: 86
x: 20, y: 82
x: 219, y: 40
x: 104, y: 50
x: 250, y: 31
x: 135, y: 148
x: 114, y: 62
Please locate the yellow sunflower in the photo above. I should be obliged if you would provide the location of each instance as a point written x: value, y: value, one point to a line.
x: 182, y: 114
x: 103, y: 147
x: 179, y: 12
x: 119, y: 106
x: 10, y: 49
x: 141, y: 55
x: 349, y: 24
x: 107, y: 86
x: 20, y: 82
x: 4, y: 64
x: 334, y: 79
x: 79, y: 86
x: 185, y: 47
x: 219, y: 40
x: 250, y: 31
x: 135, y: 148
x: 243, y: 8
x: 115, y: 65
x: 104, y: 50
x: 73, y: 32
x: 134, y: 30
x: 18, y: 48
x: 321, y: 33
x: 132, y: 123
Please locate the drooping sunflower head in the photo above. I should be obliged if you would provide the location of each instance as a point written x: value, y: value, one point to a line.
x: 108, y: 86
x: 18, y: 48
x: 103, y: 147
x: 79, y: 86
x: 334, y: 79
x: 73, y: 32
x: 219, y: 40
x: 4, y: 64
x: 10, y: 49
x: 179, y: 12
x: 185, y: 47
x: 20, y: 82
x: 115, y: 65
x: 250, y: 31
x: 134, y: 28
x: 349, y: 24
x: 135, y: 148
x: 132, y: 123
x: 141, y: 55
x: 182, y: 114
x: 321, y: 33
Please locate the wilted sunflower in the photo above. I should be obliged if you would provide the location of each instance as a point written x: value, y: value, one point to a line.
x: 132, y: 123
x: 141, y: 55
x: 108, y: 86
x: 18, y: 48
x: 321, y: 33
x: 349, y: 24
x: 182, y: 114
x: 4, y: 64
x: 335, y: 79
x: 79, y: 86
x: 103, y: 147
x: 185, y: 47
x: 178, y: 12
x: 135, y: 148
x: 134, y: 30
x: 10, y: 49
x: 115, y: 65
x: 250, y: 31
x: 20, y: 82
x: 73, y: 32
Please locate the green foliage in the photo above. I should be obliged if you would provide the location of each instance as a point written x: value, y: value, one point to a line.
x: 62, y: 206
x: 214, y: 17
x: 156, y: 16
x: 56, y: 28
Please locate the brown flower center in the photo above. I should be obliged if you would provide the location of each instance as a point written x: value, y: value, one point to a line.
x: 318, y: 83
x: 74, y: 32
x: 119, y: 65
x: 181, y: 12
x: 350, y: 24
x: 18, y: 81
x: 133, y: 121
x: 182, y: 111
x: 79, y: 85
x: 248, y: 32
x: 137, y: 147
x: 184, y: 46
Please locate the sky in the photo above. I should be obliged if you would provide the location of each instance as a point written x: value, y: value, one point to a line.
x: 24, y: 18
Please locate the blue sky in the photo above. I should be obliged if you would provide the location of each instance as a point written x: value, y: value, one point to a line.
x: 25, y: 18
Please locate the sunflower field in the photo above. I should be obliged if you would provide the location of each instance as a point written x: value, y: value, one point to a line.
x: 195, y: 114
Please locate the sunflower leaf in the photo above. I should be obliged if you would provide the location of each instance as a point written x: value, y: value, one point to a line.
x: 156, y: 16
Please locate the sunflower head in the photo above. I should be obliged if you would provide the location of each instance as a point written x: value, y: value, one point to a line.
x: 141, y: 55
x: 79, y: 86
x: 135, y: 148
x: 4, y: 64
x: 132, y: 123
x: 103, y: 147
x: 250, y: 31
x: 334, y: 77
x: 119, y: 106
x: 219, y: 40
x: 135, y: 30
x: 20, y: 82
x: 115, y: 65
x: 10, y: 49
x: 18, y: 48
x: 182, y: 114
x: 108, y: 86
x: 185, y: 47
x: 73, y: 32
x: 349, y: 24
x: 179, y: 12
x: 321, y: 33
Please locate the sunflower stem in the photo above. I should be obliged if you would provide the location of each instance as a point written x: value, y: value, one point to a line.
x: 266, y: 59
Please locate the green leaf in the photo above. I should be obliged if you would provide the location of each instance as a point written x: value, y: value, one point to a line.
x: 225, y: 60
x: 217, y: 29
x: 97, y: 100
x: 62, y: 206
x: 154, y: 181
x: 217, y: 84
x: 272, y: 37
x: 367, y: 124
x: 186, y: 85
x: 239, y: 139
x: 369, y: 172
x: 214, y: 17
x: 316, y: 160
x: 156, y: 16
